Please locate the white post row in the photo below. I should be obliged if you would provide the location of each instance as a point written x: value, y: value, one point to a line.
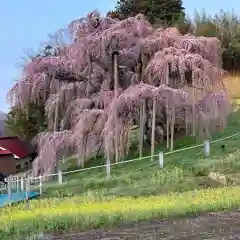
x: 161, y: 159
x: 207, y: 148
x: 60, y: 181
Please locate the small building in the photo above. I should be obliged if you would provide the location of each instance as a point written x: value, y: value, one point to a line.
x: 15, y: 155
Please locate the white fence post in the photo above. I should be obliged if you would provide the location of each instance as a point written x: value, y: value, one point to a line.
x: 161, y: 159
x: 22, y: 184
x: 108, y: 169
x: 27, y: 191
x: 40, y: 184
x: 207, y: 148
x: 10, y: 189
x: 60, y: 177
x: 17, y: 184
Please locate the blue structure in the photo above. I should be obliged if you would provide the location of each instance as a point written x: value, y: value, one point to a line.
x: 16, y: 197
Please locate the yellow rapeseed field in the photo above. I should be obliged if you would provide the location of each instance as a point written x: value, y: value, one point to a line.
x: 69, y: 213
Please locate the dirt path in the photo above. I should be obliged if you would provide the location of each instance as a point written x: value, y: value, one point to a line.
x: 223, y: 225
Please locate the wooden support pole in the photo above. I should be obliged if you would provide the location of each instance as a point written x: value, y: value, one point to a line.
x: 153, y: 129
x: 116, y: 83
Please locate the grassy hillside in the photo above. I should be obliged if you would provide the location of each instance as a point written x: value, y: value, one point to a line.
x: 182, y: 171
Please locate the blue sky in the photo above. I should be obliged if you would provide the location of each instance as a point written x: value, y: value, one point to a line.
x: 25, y: 24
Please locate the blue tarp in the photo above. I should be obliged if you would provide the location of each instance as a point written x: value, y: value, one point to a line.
x: 16, y: 197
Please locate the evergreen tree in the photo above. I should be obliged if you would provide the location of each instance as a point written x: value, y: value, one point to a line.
x: 164, y: 11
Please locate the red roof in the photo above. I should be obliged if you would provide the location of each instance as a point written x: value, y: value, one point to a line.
x: 15, y: 146
x: 5, y: 152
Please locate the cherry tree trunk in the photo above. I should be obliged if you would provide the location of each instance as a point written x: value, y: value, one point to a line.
x: 116, y: 80
x: 153, y: 129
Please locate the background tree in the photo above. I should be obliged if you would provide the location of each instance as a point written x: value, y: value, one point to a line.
x: 48, y: 50
x: 184, y: 24
x: 156, y: 11
x: 226, y: 27
x: 26, y: 124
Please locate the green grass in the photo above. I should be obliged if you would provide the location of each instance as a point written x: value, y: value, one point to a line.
x: 152, y: 180
x: 87, y: 213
